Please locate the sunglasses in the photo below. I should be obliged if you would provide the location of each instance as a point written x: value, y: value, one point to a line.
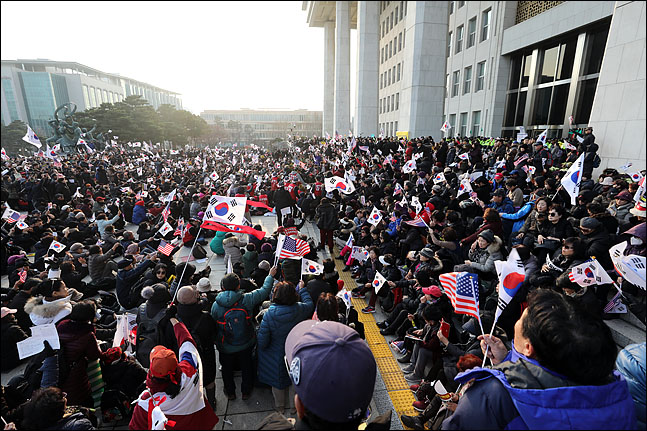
x: 553, y: 214
x: 568, y: 247
x: 161, y: 272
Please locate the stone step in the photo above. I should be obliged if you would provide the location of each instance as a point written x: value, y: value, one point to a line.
x: 631, y: 319
x: 625, y: 333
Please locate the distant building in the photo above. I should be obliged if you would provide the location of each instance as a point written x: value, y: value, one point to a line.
x: 32, y: 89
x: 489, y: 68
x: 265, y: 125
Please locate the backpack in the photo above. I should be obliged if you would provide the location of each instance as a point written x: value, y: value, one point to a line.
x: 135, y: 296
x: 549, y: 160
x: 199, y: 252
x: 148, y: 335
x: 236, y: 325
x: 596, y: 161
x: 115, y: 406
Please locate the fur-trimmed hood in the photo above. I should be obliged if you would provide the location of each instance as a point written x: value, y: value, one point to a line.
x: 495, y: 246
x: 42, y: 312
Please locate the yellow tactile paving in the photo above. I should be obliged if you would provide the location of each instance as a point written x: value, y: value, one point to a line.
x: 396, y: 386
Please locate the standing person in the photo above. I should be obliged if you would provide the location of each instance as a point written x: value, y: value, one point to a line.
x: 175, y: 386
x: 284, y: 313
x: 235, y: 336
x: 282, y: 199
x: 589, y: 147
x: 327, y: 222
x: 543, y: 382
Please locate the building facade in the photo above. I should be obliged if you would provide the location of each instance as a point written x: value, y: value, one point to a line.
x: 490, y: 68
x: 32, y: 89
x: 265, y: 125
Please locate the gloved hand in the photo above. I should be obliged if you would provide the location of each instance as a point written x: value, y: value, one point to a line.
x: 171, y: 311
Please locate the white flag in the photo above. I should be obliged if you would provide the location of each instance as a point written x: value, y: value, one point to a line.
x: 310, y: 267
x: 630, y: 267
x: 511, y: 275
x: 166, y: 228
x: 641, y: 190
x: 465, y: 187
x: 226, y: 209
x: 214, y: 176
x: 439, y: 178
x: 572, y: 178
x: 542, y: 137
x: 446, y: 126
x: 31, y: 138
x: 589, y: 273
x: 349, y: 241
x: 345, y: 295
x: 339, y: 183
x: 375, y: 217
x: 378, y: 281
x: 359, y: 253
x: 416, y: 203
x: 56, y: 246
x: 170, y: 196
x: 410, y: 166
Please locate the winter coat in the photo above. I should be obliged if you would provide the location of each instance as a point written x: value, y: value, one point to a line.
x: 277, y: 322
x: 127, y: 279
x: 203, y: 330
x: 216, y: 243
x: 495, y: 227
x: 483, y: 259
x: 97, y: 264
x: 18, y: 303
x: 518, y: 219
x: 326, y: 216
x: 621, y: 212
x: 542, y: 400
x: 11, y: 334
x: 79, y: 346
x: 76, y: 421
x: 506, y: 206
x: 139, y: 212
x: 598, y: 244
x: 226, y: 300
x: 318, y: 286
x: 42, y: 312
x: 232, y: 247
x: 282, y: 199
x: 631, y: 364
x: 250, y: 262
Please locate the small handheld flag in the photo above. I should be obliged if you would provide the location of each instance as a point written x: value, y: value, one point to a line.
x: 56, y: 246
x: 310, y: 267
x: 374, y: 217
x: 572, y: 179
x: 165, y: 248
x: 378, y: 281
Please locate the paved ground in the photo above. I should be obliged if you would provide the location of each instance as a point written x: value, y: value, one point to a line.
x: 391, y: 390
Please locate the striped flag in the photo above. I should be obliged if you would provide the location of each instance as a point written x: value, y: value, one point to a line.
x: 417, y: 222
x: 463, y: 290
x: 180, y: 227
x: 166, y: 212
x: 165, y: 248
x: 616, y: 305
x: 23, y: 276
x: 291, y: 247
x: 589, y: 273
x: 11, y: 215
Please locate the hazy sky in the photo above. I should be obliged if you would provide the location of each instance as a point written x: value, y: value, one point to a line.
x: 218, y: 55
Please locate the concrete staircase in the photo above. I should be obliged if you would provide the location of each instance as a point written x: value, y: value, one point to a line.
x: 627, y: 330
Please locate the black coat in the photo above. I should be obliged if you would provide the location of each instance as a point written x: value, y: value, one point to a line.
x: 203, y: 329
x: 11, y: 334
x: 326, y: 216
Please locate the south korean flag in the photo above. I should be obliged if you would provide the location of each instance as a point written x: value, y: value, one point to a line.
x: 224, y: 209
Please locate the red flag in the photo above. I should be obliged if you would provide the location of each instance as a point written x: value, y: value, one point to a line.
x: 258, y: 204
x: 23, y: 276
x: 166, y: 212
x: 213, y: 225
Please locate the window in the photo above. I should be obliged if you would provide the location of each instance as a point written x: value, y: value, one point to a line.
x: 461, y: 4
x: 404, y: 36
x: 396, y: 126
x: 594, y: 51
x: 405, y: 8
x: 449, y: 44
x: 459, y: 39
x: 447, y: 85
x: 451, y: 7
x: 381, y: 81
x: 391, y: 27
x: 398, y: 71
x: 480, y: 76
x: 548, y: 64
x: 392, y: 102
x: 387, y: 102
x: 471, y: 32
x: 387, y: 24
x: 382, y: 55
x: 525, y: 74
x: 401, y: 10
x: 452, y: 121
x: 455, y: 82
x: 383, y: 28
x: 86, y: 97
x: 396, y: 15
x: 395, y: 45
x: 389, y: 81
x: 390, y: 49
x: 463, y: 128
x: 467, y: 80
x: 393, y: 74
x: 397, y: 101
x: 380, y: 106
x: 485, y: 24
x: 400, y: 42
x: 476, y: 123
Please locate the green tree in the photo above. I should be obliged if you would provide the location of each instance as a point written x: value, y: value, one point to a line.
x: 12, y: 138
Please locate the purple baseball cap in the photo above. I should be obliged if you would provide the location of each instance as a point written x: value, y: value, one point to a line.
x: 332, y: 369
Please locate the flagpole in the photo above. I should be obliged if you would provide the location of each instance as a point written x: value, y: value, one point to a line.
x: 556, y: 192
x: 186, y: 264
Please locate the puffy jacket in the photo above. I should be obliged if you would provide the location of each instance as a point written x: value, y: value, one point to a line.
x: 250, y: 262
x: 597, y: 244
x: 483, y: 259
x: 326, y: 217
x: 277, y: 322
x: 42, y: 312
x: 226, y: 300
x: 524, y: 395
x: 518, y: 218
x: 97, y: 264
x: 76, y: 421
x: 127, y: 279
x: 232, y: 247
x: 79, y: 346
x: 506, y: 206
x: 216, y: 243
x: 139, y: 212
x: 631, y: 364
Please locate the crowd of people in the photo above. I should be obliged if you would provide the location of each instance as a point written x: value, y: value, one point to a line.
x: 406, y: 211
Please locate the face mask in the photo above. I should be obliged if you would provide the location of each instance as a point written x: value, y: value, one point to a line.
x: 635, y: 241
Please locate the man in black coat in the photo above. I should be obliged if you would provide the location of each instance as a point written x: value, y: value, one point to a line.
x: 589, y: 147
x: 282, y: 199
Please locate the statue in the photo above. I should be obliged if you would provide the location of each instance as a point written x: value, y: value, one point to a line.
x: 67, y: 131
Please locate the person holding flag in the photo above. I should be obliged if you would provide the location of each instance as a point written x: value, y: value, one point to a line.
x: 553, y: 387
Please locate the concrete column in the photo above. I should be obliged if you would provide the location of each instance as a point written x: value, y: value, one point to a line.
x: 366, y: 96
x: 342, y: 68
x: 329, y: 78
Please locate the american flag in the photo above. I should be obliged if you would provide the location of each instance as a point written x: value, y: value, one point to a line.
x: 292, y: 247
x: 612, y: 304
x: 23, y: 276
x: 165, y: 248
x: 418, y: 222
x: 13, y: 216
x: 462, y: 288
x: 166, y: 212
x: 180, y: 227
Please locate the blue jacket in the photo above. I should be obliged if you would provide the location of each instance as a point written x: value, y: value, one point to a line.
x: 226, y: 299
x: 139, y: 214
x: 393, y: 227
x: 519, y: 217
x: 631, y: 364
x: 525, y: 395
x: 277, y: 323
x: 506, y: 206
x: 216, y: 243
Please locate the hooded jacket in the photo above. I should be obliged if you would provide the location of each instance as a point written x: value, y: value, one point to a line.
x: 216, y: 243
x: 232, y: 247
x: 483, y: 259
x: 525, y: 395
x: 277, y: 323
x: 139, y: 212
x: 226, y: 300
x: 42, y: 312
